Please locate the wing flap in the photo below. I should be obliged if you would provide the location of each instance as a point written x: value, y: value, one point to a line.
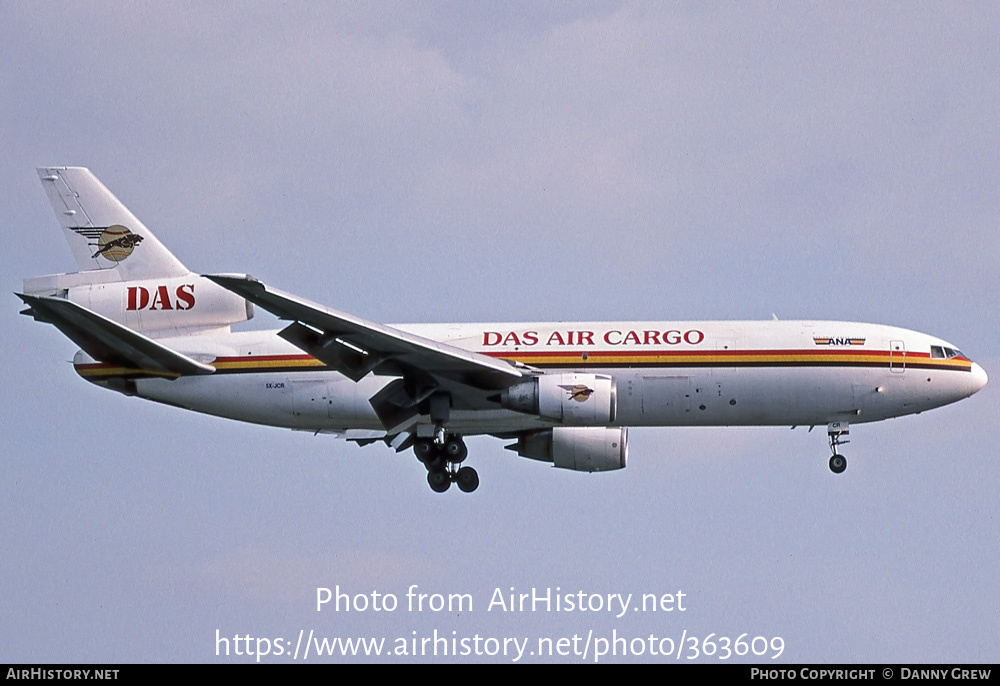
x: 108, y: 341
x: 347, y: 360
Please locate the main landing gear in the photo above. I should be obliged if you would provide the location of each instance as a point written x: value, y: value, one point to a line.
x: 836, y: 432
x: 443, y: 455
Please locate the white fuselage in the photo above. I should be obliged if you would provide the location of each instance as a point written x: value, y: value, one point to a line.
x: 665, y: 373
x: 565, y: 393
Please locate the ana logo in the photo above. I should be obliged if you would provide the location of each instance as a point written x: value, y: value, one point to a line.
x: 113, y: 243
x: 579, y: 392
x: 838, y: 341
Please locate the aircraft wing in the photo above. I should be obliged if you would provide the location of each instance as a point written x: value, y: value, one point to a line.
x: 355, y: 346
x: 108, y: 341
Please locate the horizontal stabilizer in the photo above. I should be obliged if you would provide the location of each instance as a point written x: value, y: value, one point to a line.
x: 108, y: 341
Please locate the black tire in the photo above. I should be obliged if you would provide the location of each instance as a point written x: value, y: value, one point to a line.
x: 439, y: 481
x: 455, y: 450
x: 838, y: 463
x: 424, y: 449
x: 437, y: 463
x: 467, y: 479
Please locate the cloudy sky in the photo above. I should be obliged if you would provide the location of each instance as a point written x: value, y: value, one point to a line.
x: 454, y: 161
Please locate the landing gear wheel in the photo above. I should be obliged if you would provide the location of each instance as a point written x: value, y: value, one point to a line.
x: 838, y: 463
x: 439, y: 481
x: 437, y: 463
x: 467, y: 479
x: 424, y: 449
x: 455, y: 450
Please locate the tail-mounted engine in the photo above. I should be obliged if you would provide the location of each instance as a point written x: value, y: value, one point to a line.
x: 572, y: 399
x: 149, y: 305
x: 583, y: 449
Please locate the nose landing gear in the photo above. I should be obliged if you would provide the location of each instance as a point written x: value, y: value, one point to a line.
x: 836, y: 431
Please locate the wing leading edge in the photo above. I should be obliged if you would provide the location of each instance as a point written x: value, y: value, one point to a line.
x: 356, y: 347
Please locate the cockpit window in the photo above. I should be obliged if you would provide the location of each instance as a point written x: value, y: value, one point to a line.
x: 940, y: 352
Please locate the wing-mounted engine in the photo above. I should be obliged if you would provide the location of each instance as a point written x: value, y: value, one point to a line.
x: 571, y: 399
x: 583, y: 449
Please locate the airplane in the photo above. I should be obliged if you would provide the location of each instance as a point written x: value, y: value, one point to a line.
x: 563, y: 393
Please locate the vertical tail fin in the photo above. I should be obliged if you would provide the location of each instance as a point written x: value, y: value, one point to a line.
x: 125, y: 274
x: 102, y: 233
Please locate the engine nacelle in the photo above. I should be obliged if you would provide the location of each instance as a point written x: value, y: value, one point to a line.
x: 149, y: 305
x: 573, y: 399
x: 583, y: 449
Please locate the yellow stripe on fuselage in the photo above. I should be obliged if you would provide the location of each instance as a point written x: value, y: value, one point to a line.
x: 588, y: 358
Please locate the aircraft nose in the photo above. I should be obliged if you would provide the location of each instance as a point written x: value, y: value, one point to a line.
x: 979, y: 377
